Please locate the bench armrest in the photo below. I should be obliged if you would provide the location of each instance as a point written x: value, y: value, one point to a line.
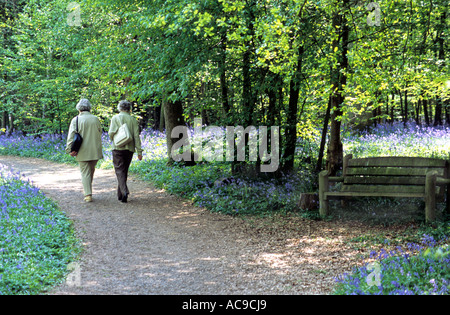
x: 325, y: 175
x: 440, y: 181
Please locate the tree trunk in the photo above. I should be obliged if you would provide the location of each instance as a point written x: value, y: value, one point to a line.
x: 335, y: 153
x: 440, y: 37
x: 447, y: 113
x: 425, y: 111
x: 438, y: 113
x: 406, y: 107
x: 248, y: 97
x: 238, y: 167
x: 173, y: 113
x: 291, y: 116
x: 338, y: 81
x: 402, y: 112
x: 308, y: 201
x: 162, y: 119
x: 290, y: 137
x: 393, y: 107
x: 387, y: 106
x: 11, y: 125
x: 272, y: 94
x: 223, y: 78
x: 4, y: 120
x: 324, y: 137
x: 417, y: 112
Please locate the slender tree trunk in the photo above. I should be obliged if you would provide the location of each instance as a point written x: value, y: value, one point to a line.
x: 4, y: 120
x: 430, y: 112
x: 441, y: 42
x: 272, y: 107
x: 402, y: 108
x: 438, y: 113
x: 248, y: 95
x: 447, y: 114
x: 406, y: 107
x: 425, y: 111
x: 291, y: 116
x: 11, y: 124
x: 335, y: 148
x: 162, y: 118
x: 417, y: 111
x: 237, y: 167
x: 5, y: 77
x: 324, y: 137
x: 393, y: 107
x: 223, y: 77
x: 338, y: 81
x: 247, y: 91
x: 290, y: 142
x: 274, y: 93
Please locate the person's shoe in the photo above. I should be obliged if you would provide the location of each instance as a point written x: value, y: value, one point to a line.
x: 88, y: 199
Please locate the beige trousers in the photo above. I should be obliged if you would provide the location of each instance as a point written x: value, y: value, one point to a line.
x: 87, y: 175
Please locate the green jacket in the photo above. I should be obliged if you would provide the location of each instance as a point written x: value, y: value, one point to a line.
x: 119, y: 120
x: 90, y: 130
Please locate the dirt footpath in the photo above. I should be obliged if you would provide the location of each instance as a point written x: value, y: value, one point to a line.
x: 160, y: 244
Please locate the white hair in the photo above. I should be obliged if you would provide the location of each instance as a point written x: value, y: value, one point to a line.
x: 84, y: 105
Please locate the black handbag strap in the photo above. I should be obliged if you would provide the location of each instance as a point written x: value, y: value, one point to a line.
x: 77, y: 124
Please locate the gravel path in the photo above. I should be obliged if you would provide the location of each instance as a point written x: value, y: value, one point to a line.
x: 160, y: 244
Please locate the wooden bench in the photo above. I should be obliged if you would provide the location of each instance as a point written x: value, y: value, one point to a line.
x: 405, y: 177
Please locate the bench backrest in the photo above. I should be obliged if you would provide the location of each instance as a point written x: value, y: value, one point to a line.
x: 391, y: 174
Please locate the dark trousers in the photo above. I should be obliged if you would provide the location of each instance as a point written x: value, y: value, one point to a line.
x: 122, y: 160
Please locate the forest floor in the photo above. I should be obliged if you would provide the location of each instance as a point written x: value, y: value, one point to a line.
x: 161, y: 244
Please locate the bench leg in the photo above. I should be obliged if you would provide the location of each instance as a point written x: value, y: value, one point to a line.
x: 430, y: 197
x: 323, y: 188
x: 324, y: 208
x: 447, y: 205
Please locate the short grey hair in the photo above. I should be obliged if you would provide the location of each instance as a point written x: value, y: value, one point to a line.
x: 84, y: 105
x: 124, y: 106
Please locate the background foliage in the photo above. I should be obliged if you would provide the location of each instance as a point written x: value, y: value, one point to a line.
x: 230, y: 62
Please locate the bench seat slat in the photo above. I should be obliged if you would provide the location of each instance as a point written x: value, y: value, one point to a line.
x: 392, y: 171
x: 397, y: 162
x: 329, y: 195
x: 384, y: 189
x: 385, y: 180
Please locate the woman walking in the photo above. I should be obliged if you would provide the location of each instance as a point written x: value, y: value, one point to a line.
x: 90, y: 129
x: 122, y: 155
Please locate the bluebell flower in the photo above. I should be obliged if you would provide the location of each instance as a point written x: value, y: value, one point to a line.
x: 395, y: 283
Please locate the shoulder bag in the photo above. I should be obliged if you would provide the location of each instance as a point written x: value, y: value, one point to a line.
x: 77, y: 140
x: 123, y: 136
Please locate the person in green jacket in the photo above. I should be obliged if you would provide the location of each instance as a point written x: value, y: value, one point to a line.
x: 122, y: 156
x: 90, y: 129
